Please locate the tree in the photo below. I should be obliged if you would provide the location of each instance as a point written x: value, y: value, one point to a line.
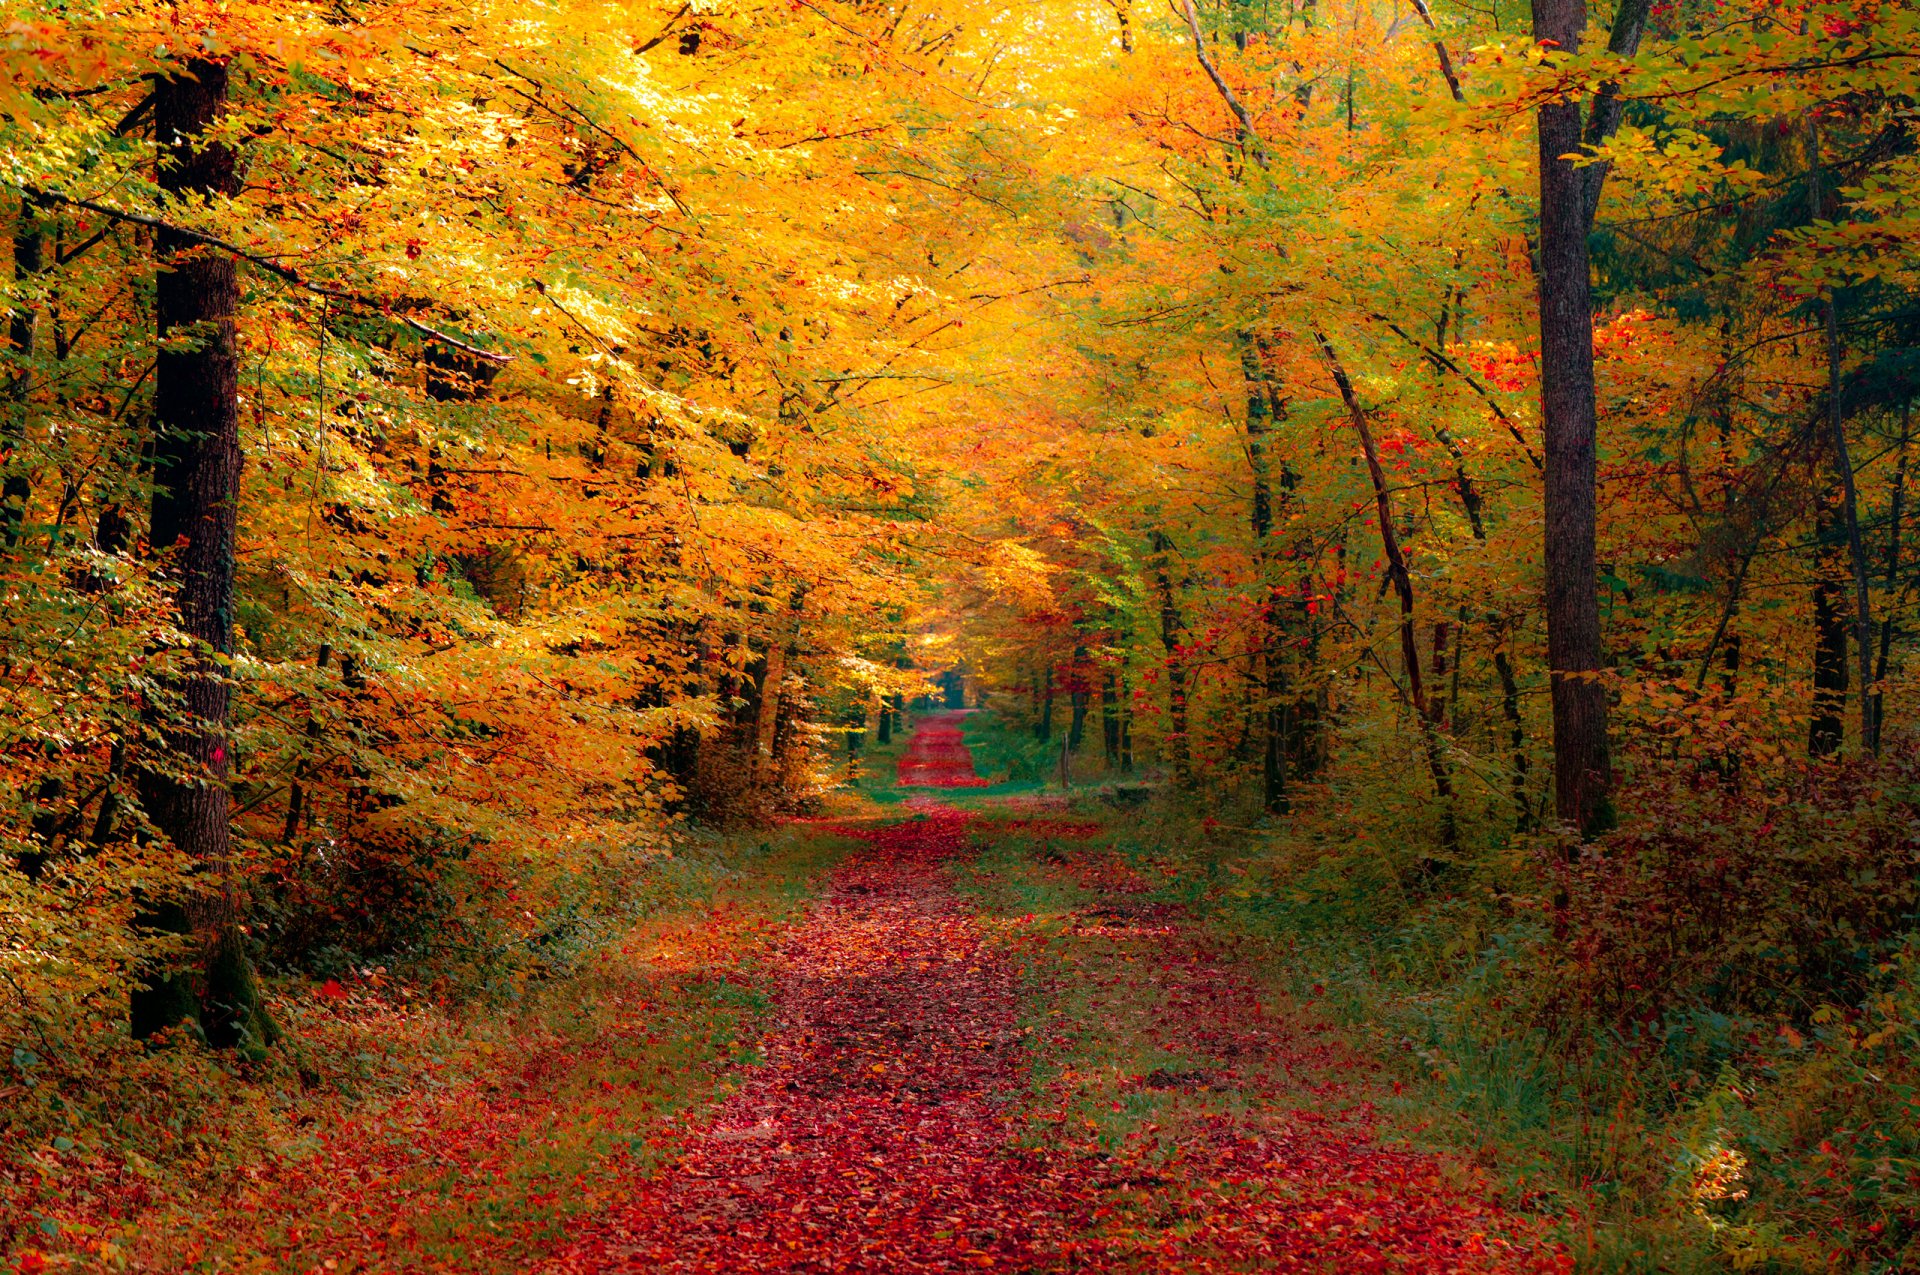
x: 1582, y: 772
x: 195, y: 512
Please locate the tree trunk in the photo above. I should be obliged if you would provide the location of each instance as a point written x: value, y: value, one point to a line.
x: 195, y: 507
x: 23, y: 329
x: 1402, y: 582
x: 1827, y: 730
x: 1077, y: 698
x: 1583, y: 775
x: 1110, y: 720
x: 1842, y: 458
x: 1893, y: 574
x: 1043, y: 729
x: 768, y: 717
x: 1178, y: 750
x: 1267, y: 675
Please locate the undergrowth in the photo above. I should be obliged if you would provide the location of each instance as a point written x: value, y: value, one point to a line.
x: 404, y: 1127
x: 1680, y: 1041
x: 1695, y: 1044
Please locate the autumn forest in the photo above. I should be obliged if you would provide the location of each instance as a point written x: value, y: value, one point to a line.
x: 945, y: 635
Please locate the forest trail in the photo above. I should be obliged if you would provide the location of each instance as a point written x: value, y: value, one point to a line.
x: 875, y: 1137
x: 937, y: 756
x: 881, y: 1132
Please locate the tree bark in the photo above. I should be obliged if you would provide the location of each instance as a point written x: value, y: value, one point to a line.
x: 1402, y: 582
x: 195, y: 510
x: 23, y: 329
x: 1827, y: 730
x: 1077, y: 699
x: 1842, y: 458
x: 1043, y: 729
x: 1583, y: 774
x: 1110, y: 720
x: 1893, y: 574
x: 1629, y: 22
x: 1267, y: 677
x: 1179, y: 751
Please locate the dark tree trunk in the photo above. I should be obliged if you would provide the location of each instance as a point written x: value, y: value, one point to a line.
x: 1077, y: 697
x: 1110, y: 720
x: 1827, y: 730
x: 1842, y: 459
x: 884, y: 731
x: 195, y: 508
x: 1179, y: 752
x: 23, y: 329
x: 1043, y: 729
x: 1583, y: 775
x: 1893, y: 574
x: 297, y: 789
x: 1402, y: 581
x: 1267, y: 678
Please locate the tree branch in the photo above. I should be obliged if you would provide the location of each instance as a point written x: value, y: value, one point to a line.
x: 1248, y: 134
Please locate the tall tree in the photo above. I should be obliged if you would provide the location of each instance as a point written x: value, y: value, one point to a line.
x: 195, y: 508
x: 1581, y: 769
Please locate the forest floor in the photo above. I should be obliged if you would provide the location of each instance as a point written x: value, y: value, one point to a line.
x: 980, y: 1046
x: 949, y: 1086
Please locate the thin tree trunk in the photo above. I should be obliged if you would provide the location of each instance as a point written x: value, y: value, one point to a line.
x: 1474, y: 506
x: 1583, y: 774
x: 1043, y: 729
x: 1110, y: 720
x: 195, y: 510
x: 1077, y: 697
x: 1402, y: 581
x: 1266, y: 675
x: 767, y: 718
x: 1842, y: 458
x: 1893, y: 574
x: 1827, y: 731
x: 1179, y: 750
x: 23, y: 328
x: 1440, y: 51
x: 1629, y: 21
x: 297, y: 790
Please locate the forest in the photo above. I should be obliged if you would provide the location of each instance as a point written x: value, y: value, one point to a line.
x: 945, y: 635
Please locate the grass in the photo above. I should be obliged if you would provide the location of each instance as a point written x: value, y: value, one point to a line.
x: 1423, y: 992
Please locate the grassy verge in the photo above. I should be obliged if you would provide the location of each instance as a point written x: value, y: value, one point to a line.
x: 1096, y: 934
x: 1702, y: 1141
x: 400, y: 1136
x: 1164, y: 1049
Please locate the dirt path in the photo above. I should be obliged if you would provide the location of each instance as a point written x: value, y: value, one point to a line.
x: 937, y: 756
x: 874, y: 1138
x: 881, y: 1133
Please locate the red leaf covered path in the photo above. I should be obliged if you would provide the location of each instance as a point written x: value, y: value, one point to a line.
x: 881, y: 1134
x: 937, y: 756
x: 873, y: 1138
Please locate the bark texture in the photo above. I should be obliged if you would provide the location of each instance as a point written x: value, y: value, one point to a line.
x: 1583, y: 775
x: 195, y: 506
